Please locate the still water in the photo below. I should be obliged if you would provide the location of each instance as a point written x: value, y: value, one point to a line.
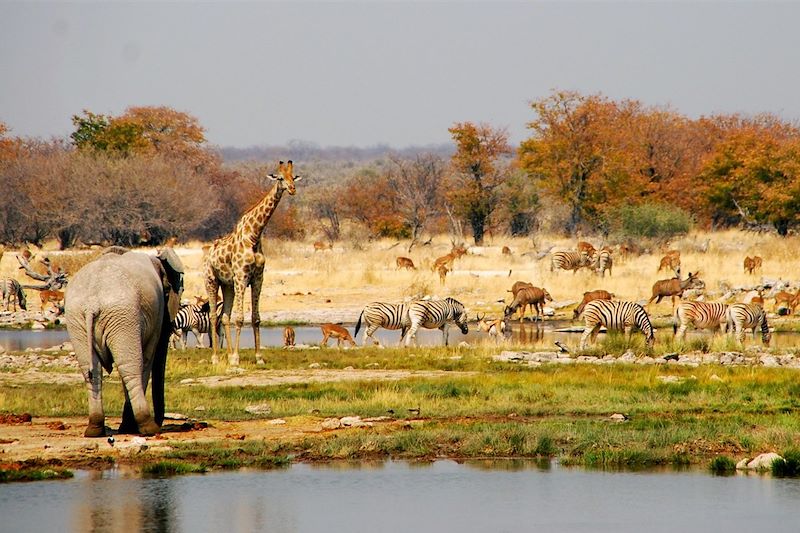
x: 396, y: 496
x: 537, y: 335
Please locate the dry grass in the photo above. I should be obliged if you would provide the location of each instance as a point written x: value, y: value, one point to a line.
x: 353, y: 274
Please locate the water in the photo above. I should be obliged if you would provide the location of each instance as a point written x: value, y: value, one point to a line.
x: 537, y: 335
x: 402, y: 497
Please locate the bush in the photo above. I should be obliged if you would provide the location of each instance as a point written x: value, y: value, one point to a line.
x: 722, y: 464
x: 657, y: 222
x: 789, y: 466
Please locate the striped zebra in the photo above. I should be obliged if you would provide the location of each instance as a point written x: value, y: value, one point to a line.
x: 748, y: 316
x: 701, y: 315
x: 11, y: 291
x: 435, y: 314
x: 195, y: 318
x: 602, y: 261
x: 382, y: 315
x: 615, y: 316
x: 571, y: 260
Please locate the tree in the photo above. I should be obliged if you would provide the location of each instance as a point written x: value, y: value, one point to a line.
x: 478, y: 172
x: 418, y: 184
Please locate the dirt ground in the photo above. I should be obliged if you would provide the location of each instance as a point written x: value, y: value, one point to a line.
x: 62, y: 439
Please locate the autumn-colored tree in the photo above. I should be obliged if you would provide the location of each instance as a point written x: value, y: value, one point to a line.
x: 753, y: 175
x: 146, y: 131
x: 369, y: 198
x: 418, y: 184
x: 478, y: 171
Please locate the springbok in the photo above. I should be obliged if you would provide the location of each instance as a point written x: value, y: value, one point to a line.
x: 337, y: 332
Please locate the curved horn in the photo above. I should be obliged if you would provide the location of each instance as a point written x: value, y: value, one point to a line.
x: 479, y: 318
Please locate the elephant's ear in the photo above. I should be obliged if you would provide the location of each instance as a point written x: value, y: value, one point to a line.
x: 172, y: 279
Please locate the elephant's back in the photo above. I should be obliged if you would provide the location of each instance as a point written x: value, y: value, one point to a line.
x: 111, y: 280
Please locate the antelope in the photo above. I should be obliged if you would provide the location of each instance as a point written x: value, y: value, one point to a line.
x: 790, y: 300
x: 442, y: 270
x: 321, y: 246
x: 495, y: 327
x: 288, y: 336
x: 449, y: 259
x: 671, y: 261
x: 517, y: 286
x: 751, y: 264
x: 534, y: 297
x: 586, y: 248
x: 506, y: 250
x: 675, y: 287
x: 590, y: 296
x: 50, y: 296
x: 337, y: 332
x: 405, y: 262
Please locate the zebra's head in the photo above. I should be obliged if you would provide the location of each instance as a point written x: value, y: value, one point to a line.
x: 286, y: 176
x: 21, y: 300
x: 459, y: 315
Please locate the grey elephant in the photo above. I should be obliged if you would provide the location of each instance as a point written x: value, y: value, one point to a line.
x: 119, y: 309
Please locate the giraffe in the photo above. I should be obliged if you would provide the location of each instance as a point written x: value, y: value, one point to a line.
x: 235, y: 261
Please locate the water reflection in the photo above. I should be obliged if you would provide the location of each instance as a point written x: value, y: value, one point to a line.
x: 125, y: 505
x: 476, y: 496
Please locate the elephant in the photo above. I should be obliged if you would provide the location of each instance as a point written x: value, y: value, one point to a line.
x: 119, y: 309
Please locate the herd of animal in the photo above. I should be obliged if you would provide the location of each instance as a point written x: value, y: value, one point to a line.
x: 597, y: 307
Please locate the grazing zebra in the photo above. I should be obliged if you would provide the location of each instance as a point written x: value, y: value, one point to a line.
x: 195, y: 318
x: 618, y: 316
x: 748, y: 316
x: 11, y: 290
x: 701, y: 315
x: 602, y: 261
x: 435, y: 314
x: 569, y: 261
x: 382, y: 315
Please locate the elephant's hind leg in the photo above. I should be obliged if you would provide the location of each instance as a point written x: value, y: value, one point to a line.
x: 94, y: 385
x: 134, y: 364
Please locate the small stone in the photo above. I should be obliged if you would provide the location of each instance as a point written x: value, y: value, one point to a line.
x: 261, y: 409
x: 276, y: 422
x: 187, y: 381
x: 331, y: 423
x: 348, y: 368
x: 670, y: 379
x: 37, y: 325
x: 618, y: 417
x: 200, y: 408
x: 314, y: 365
x: 350, y: 420
x: 463, y: 344
x: 742, y: 465
x: 715, y: 377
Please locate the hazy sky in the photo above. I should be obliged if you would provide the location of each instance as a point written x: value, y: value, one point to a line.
x: 376, y: 72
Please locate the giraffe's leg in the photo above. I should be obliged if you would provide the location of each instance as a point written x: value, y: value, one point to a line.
x: 212, y: 289
x: 227, y: 311
x: 238, y: 319
x: 255, y: 295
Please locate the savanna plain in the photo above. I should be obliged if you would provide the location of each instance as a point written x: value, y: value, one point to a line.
x: 421, y: 403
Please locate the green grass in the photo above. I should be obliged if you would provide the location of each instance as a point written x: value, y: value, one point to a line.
x: 8, y: 475
x: 171, y: 468
x: 722, y: 465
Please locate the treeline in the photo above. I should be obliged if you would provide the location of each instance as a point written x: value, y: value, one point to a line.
x: 591, y: 164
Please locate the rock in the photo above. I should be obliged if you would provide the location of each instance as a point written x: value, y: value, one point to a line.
x: 742, y: 465
x: 276, y: 422
x: 628, y: 357
x: 187, y: 381
x: 314, y: 365
x: 351, y: 420
x: 715, y: 377
x: 348, y: 368
x: 200, y: 408
x: 175, y: 416
x: 261, y: 409
x: 37, y: 325
x: 331, y: 423
x: 670, y: 379
x: 763, y: 461
x: 769, y: 361
x: 618, y: 417
x: 463, y: 344
x: 235, y: 370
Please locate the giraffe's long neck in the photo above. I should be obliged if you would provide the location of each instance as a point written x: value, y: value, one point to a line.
x: 253, y: 222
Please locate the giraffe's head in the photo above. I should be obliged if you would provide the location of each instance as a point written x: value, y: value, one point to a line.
x: 286, y: 176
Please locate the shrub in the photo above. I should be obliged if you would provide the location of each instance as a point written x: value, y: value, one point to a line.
x: 657, y: 222
x: 789, y: 466
x: 722, y: 464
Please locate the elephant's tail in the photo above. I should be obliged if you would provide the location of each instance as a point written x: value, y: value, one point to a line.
x: 108, y: 364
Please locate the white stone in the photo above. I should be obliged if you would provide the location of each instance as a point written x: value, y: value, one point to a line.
x: 277, y: 422
x: 742, y: 465
x: 314, y: 365
x: 350, y: 420
x: 260, y: 409
x: 670, y: 379
x: 331, y: 423
x: 763, y: 461
x: 618, y: 417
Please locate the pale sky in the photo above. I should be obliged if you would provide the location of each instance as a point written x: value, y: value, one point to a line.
x: 401, y: 73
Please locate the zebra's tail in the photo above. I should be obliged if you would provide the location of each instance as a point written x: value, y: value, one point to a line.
x: 358, y: 324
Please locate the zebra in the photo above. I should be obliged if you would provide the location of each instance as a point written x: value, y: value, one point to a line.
x: 701, y: 315
x: 748, y: 316
x: 618, y: 316
x: 382, y: 315
x: 602, y: 261
x: 434, y: 314
x: 11, y: 290
x: 571, y: 260
x: 195, y: 318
